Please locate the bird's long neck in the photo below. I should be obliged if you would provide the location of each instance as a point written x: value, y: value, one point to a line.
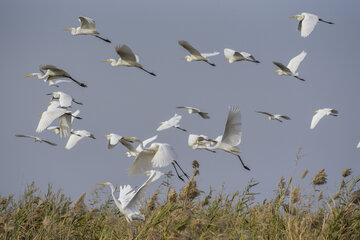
x: 117, y: 203
x: 141, y: 145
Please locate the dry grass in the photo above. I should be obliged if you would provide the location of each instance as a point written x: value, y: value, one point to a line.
x: 291, y: 213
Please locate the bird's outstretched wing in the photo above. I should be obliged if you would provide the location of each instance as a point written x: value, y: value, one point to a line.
x: 164, y: 155
x: 282, y: 67
x: 48, y: 117
x: 266, y: 113
x: 26, y: 136
x: 229, y: 52
x: 308, y: 24
x: 48, y: 142
x: 204, y: 115
x: 295, y: 62
x: 65, y: 100
x: 126, y: 193
x: 141, y: 163
x: 285, y: 117
x: 316, y: 118
x: 206, y: 55
x: 87, y: 23
x: 73, y: 140
x: 125, y: 53
x: 65, y: 125
x: 170, y: 123
x: 189, y: 48
x: 149, y: 140
x: 232, y: 132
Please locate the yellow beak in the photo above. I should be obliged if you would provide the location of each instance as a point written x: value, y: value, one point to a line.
x: 68, y: 29
x: 160, y: 123
x: 101, y: 184
x: 293, y: 16
x: 107, y: 60
x: 226, y: 59
x: 183, y: 57
x: 28, y: 75
x: 276, y: 70
x: 105, y: 136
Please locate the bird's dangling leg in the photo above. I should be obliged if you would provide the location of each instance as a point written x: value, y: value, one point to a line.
x: 241, y: 161
x: 177, y: 172
x: 213, y: 151
x: 187, y: 176
x: 182, y: 129
x: 322, y: 20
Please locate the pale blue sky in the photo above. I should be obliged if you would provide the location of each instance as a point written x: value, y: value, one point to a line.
x: 130, y: 102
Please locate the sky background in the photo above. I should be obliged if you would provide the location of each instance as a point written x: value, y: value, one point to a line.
x: 130, y: 102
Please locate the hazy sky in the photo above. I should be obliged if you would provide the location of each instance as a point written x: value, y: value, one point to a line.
x: 129, y: 102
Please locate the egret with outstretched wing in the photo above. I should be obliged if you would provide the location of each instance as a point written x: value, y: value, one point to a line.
x: 291, y: 68
x: 307, y: 23
x: 195, y: 55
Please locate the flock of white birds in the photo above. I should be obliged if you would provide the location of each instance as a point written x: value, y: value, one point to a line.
x: 148, y: 154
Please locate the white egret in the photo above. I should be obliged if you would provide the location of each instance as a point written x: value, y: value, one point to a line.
x: 195, y: 55
x: 192, y: 110
x: 233, y: 56
x: 172, y: 122
x: 320, y: 113
x: 65, y: 116
x: 114, y: 139
x: 64, y: 99
x: 51, y: 72
x: 76, y: 136
x: 291, y: 68
x: 87, y: 27
x: 36, y: 139
x: 130, y: 200
x: 200, y: 142
x: 158, y: 155
x: 231, y: 138
x: 307, y: 23
x: 127, y: 58
x: 133, y: 152
x: 275, y: 116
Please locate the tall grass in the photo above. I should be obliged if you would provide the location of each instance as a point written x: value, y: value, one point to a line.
x: 292, y: 213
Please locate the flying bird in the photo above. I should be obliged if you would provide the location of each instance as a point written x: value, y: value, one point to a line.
x: 127, y: 58
x: 114, y: 139
x: 291, y: 68
x: 275, y: 116
x: 233, y: 56
x: 158, y: 155
x: 87, y: 27
x: 320, y: 113
x: 76, y: 136
x: 130, y: 200
x: 172, y: 122
x: 133, y: 152
x: 200, y: 142
x: 307, y: 23
x: 36, y: 139
x: 192, y: 110
x: 195, y: 55
x: 231, y: 138
x: 64, y: 99
x: 51, y: 72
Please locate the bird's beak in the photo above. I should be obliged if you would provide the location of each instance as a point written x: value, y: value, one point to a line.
x: 293, y: 16
x: 276, y: 70
x: 28, y: 75
x: 160, y: 123
x: 314, y: 112
x: 196, y: 143
x: 101, y: 184
x: 40, y: 114
x: 183, y: 57
x: 68, y: 29
x: 226, y: 59
x: 105, y: 136
x: 107, y: 60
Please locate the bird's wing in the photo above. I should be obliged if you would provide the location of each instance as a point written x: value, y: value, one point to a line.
x: 125, y: 53
x: 316, y: 118
x: 232, y: 132
x: 56, y: 71
x: 282, y: 66
x: 285, y: 117
x: 189, y: 48
x: 164, y: 155
x: 229, y: 52
x: 65, y: 100
x: 73, y: 139
x: 87, y: 23
x: 53, y: 105
x: 21, y: 135
x: 65, y: 125
x: 204, y: 115
x: 295, y: 62
x: 149, y: 140
x: 74, y: 114
x: 137, y: 58
x: 206, y: 55
x: 308, y: 24
x: 245, y: 54
x: 138, y: 198
x: 48, y: 117
x: 141, y: 163
x: 170, y: 123
x: 126, y: 193
x: 265, y: 113
x: 48, y: 142
x: 114, y: 140
x: 44, y: 68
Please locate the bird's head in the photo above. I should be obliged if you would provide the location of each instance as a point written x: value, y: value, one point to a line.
x: 188, y: 58
x: 298, y: 17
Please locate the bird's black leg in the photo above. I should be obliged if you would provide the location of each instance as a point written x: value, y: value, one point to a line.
x: 213, y: 151
x: 182, y: 129
x: 241, y: 161
x: 322, y: 20
x: 177, y: 172
x: 182, y: 170
x: 300, y: 78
